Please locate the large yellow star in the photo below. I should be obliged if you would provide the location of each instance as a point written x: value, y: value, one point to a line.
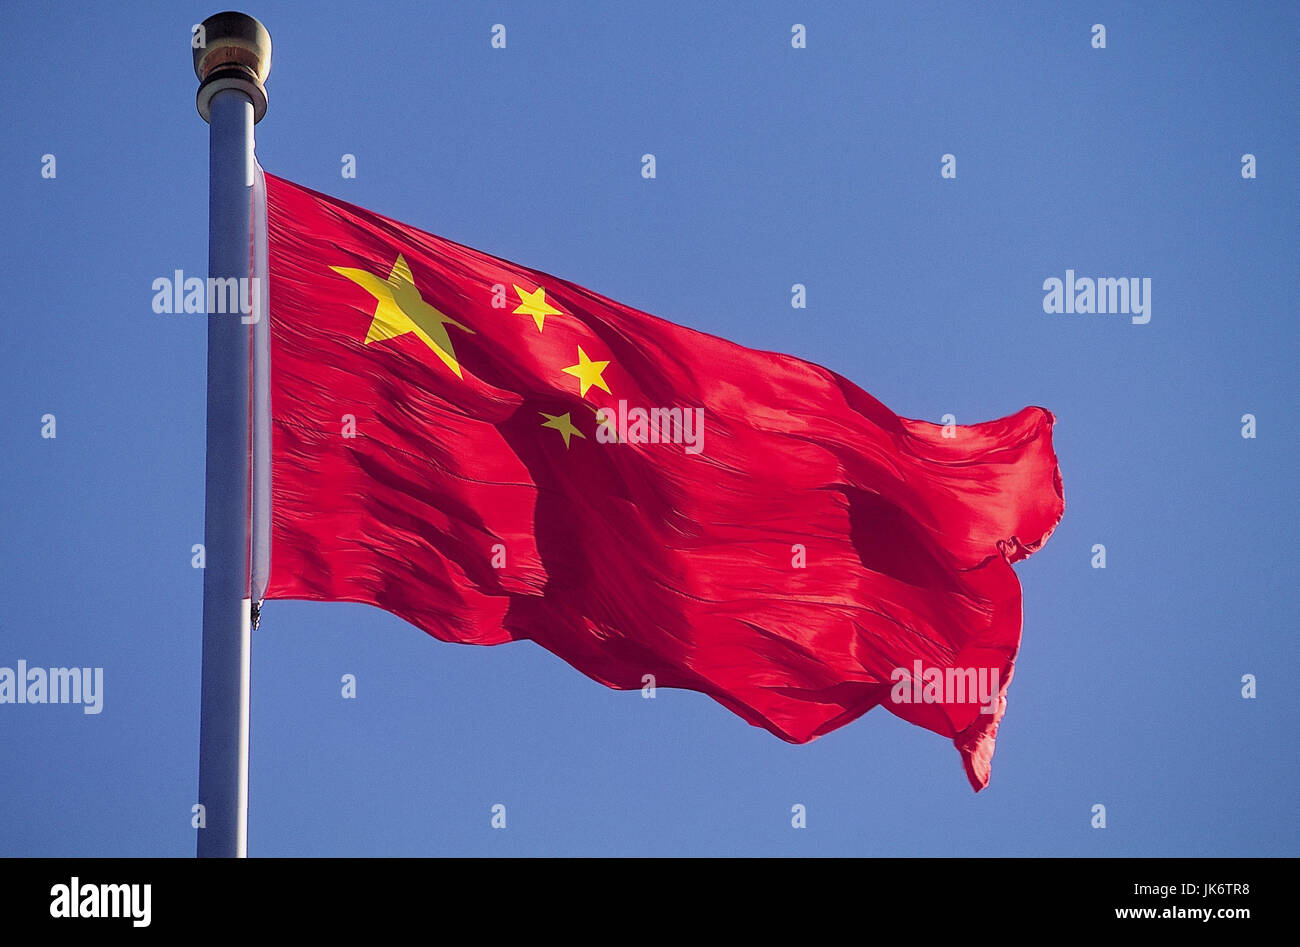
x: 561, y: 423
x: 588, y: 373
x: 534, y: 304
x: 401, y: 309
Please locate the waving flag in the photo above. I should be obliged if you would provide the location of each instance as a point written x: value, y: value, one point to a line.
x: 495, y: 454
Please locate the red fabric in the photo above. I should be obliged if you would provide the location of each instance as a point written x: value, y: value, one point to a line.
x: 633, y: 559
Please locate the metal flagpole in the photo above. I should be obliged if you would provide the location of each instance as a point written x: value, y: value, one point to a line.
x: 232, y: 56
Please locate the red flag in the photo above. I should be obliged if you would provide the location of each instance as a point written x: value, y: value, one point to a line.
x: 495, y: 454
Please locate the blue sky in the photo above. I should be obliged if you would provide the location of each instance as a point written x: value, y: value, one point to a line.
x: 774, y: 166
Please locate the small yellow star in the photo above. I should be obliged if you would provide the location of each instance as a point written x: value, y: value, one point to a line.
x: 588, y: 373
x: 561, y: 423
x: 534, y: 304
x: 402, y: 309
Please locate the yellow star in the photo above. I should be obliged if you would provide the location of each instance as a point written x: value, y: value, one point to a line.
x: 588, y: 373
x: 561, y: 423
x: 402, y: 309
x: 534, y: 304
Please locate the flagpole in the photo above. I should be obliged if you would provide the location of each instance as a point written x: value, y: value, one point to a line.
x: 232, y: 56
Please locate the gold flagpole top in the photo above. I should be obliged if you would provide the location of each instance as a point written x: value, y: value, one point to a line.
x: 232, y: 51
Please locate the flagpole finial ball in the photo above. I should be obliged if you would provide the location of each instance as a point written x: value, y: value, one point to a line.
x: 231, y: 51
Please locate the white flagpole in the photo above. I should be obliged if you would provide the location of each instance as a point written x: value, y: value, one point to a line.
x: 232, y: 57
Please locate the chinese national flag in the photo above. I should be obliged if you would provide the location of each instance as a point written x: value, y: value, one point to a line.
x: 495, y: 454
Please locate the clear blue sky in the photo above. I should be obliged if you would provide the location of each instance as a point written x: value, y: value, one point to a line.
x: 775, y: 166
